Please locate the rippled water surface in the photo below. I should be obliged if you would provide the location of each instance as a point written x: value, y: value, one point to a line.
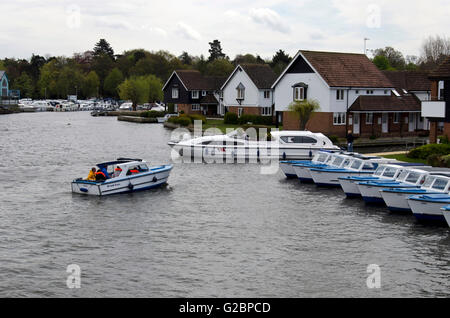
x: 215, y: 230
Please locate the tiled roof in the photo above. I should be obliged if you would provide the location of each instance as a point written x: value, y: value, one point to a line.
x: 386, y: 103
x: 409, y: 80
x: 209, y: 99
x: 443, y: 70
x: 261, y: 74
x: 194, y: 80
x: 347, y: 69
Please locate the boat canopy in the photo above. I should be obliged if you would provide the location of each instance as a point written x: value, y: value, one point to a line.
x: 118, y: 161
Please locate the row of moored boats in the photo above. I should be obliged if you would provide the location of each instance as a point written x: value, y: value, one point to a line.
x: 413, y: 188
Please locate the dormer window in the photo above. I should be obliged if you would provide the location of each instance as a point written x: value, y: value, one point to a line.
x: 175, y: 93
x: 300, y: 91
x: 195, y: 94
x: 240, y: 92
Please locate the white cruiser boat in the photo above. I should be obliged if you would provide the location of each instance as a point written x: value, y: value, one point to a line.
x: 285, y: 145
x: 303, y: 172
x: 409, y: 178
x: 396, y: 199
x: 428, y: 207
x: 124, y: 176
x: 288, y: 167
x: 355, y: 166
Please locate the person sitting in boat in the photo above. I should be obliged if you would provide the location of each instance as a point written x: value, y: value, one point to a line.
x: 132, y: 171
x: 117, y: 172
x: 105, y: 172
x: 91, y: 176
x: 100, y: 176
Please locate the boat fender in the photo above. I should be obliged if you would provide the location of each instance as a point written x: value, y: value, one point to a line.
x: 310, y: 153
x: 131, y: 186
x: 84, y: 190
x: 155, y: 179
x: 284, y: 156
x: 257, y: 153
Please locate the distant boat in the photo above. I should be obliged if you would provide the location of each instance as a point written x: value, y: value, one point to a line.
x: 126, y: 175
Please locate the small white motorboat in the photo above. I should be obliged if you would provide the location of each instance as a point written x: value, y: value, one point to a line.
x: 124, y: 176
x: 288, y: 167
x: 428, y: 207
x: 409, y: 178
x: 396, y: 199
x: 303, y: 170
x: 446, y: 212
x: 284, y: 145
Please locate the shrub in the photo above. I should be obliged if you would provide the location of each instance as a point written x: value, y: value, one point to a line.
x: 444, y: 139
x: 197, y: 117
x: 434, y: 160
x: 426, y: 151
x: 230, y: 118
x: 255, y: 120
x: 152, y: 114
x: 445, y: 160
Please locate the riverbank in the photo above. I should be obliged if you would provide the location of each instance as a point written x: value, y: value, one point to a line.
x: 8, y: 109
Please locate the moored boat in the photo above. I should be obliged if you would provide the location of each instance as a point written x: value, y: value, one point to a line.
x: 446, y: 212
x: 396, y: 199
x: 428, y: 207
x: 124, y: 176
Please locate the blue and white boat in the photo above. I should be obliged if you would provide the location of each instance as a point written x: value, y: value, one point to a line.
x: 428, y: 207
x: 124, y: 176
x: 446, y: 212
x: 354, y: 166
x: 333, y: 160
x: 385, y: 173
x: 396, y: 199
x: 409, y: 178
x: 288, y: 169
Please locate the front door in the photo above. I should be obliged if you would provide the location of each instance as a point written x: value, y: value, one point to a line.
x: 412, y: 122
x: 356, y: 124
x: 385, y: 123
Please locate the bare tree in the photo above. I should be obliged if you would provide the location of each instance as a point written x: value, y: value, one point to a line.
x: 434, y: 51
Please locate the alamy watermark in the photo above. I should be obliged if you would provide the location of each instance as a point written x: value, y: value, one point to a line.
x: 374, y: 279
x: 74, y: 278
x: 373, y: 20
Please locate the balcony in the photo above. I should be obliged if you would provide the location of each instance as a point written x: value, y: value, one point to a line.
x: 433, y: 109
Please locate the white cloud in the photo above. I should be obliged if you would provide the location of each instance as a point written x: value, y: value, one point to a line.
x: 269, y: 18
x: 187, y: 31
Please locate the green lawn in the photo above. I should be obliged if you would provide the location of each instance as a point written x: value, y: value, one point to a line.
x: 406, y: 159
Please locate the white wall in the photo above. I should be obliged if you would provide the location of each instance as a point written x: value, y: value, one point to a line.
x: 252, y: 93
x: 340, y: 106
x: 265, y: 102
x: 317, y: 89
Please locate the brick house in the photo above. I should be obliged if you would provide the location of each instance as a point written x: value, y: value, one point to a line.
x: 193, y: 93
x: 437, y: 109
x: 248, y: 90
x: 350, y: 89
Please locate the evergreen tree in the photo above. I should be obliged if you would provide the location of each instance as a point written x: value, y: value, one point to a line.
x: 215, y: 52
x: 103, y: 48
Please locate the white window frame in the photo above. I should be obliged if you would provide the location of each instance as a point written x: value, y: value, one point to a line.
x: 266, y: 111
x: 195, y: 94
x: 299, y: 93
x: 266, y: 94
x: 340, y: 94
x: 369, y: 92
x: 369, y: 115
x: 203, y: 93
x: 339, y: 119
x: 175, y: 93
x: 240, y: 93
x: 196, y: 107
x: 396, y: 119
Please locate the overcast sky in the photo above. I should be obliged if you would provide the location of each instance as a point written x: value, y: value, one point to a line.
x: 61, y: 27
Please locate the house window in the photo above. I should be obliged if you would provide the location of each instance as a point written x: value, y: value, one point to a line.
x: 175, y: 93
x: 357, y: 92
x: 195, y: 94
x: 385, y: 92
x: 266, y: 111
x: 240, y: 91
x: 266, y: 94
x: 369, y: 92
x: 369, y: 119
x: 299, y: 93
x: 340, y: 94
x: 203, y: 93
x: 339, y: 119
x: 195, y: 107
x: 396, y: 118
x: 240, y: 112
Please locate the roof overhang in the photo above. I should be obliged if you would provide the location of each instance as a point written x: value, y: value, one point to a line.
x: 170, y: 78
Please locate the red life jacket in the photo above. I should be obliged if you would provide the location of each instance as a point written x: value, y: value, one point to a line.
x: 101, y: 173
x: 134, y: 171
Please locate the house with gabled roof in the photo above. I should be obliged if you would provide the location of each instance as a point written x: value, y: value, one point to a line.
x: 193, y: 93
x: 352, y: 92
x: 248, y: 90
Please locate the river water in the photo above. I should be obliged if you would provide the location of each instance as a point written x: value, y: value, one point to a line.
x: 214, y: 231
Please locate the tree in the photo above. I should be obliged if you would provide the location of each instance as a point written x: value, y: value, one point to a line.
x: 2, y: 66
x: 103, y: 48
x: 382, y: 63
x: 135, y: 89
x: 91, y: 84
x: 24, y: 83
x: 395, y: 58
x: 215, y: 52
x: 280, y: 61
x: 434, y: 50
x: 219, y: 67
x: 112, y: 82
x: 102, y: 65
x: 155, y: 92
x: 304, y: 110
x: 186, y: 58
